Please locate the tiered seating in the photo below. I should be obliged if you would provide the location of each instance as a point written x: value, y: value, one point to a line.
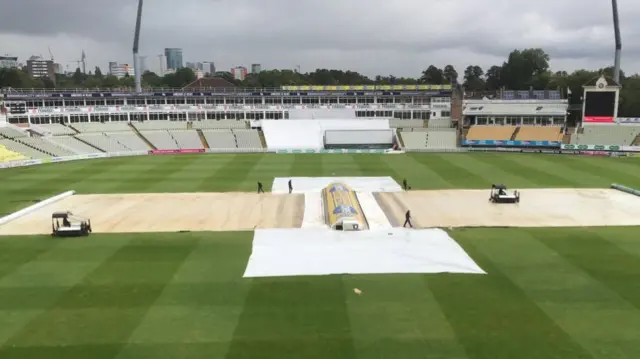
x: 55, y: 129
x: 160, y: 125
x: 442, y: 139
x: 247, y: 138
x: 539, y: 133
x: 129, y: 139
x: 101, y: 127
x: 220, y: 138
x: 187, y: 139
x: 414, y: 140
x: 398, y: 123
x: 103, y: 142
x: 23, y: 149
x: 46, y: 146
x: 494, y: 133
x: 7, y: 155
x: 439, y: 123
x: 10, y: 132
x: 161, y: 139
x: 416, y: 129
x: 607, y: 135
x: 73, y: 143
x: 219, y: 124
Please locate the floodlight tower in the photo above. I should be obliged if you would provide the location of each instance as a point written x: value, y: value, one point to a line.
x: 136, y: 40
x: 616, y: 29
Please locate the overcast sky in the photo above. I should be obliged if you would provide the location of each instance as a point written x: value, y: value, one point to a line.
x: 400, y: 37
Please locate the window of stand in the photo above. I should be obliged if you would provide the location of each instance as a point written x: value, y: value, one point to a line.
x: 527, y: 120
x: 482, y: 120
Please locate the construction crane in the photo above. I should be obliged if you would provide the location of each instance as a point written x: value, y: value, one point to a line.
x: 51, y: 54
x: 77, y: 62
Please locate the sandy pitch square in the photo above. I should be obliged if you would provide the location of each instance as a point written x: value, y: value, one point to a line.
x: 169, y: 212
x: 537, y: 208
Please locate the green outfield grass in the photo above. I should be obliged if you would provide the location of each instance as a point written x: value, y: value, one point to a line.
x: 549, y: 293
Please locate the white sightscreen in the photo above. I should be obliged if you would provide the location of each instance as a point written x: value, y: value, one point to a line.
x: 357, y: 137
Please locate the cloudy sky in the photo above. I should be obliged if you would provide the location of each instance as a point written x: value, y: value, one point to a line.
x: 400, y: 37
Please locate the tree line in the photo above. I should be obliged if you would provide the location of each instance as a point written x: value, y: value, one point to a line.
x: 522, y: 70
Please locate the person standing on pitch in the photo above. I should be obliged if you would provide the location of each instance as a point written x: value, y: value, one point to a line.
x: 407, y: 219
x: 260, y: 190
x: 405, y: 185
x: 290, y: 187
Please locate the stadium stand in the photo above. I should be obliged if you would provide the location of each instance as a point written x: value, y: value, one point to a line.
x: 247, y: 138
x: 101, y: 127
x: 103, y: 142
x: 621, y: 135
x: 441, y: 139
x: 416, y: 129
x: 46, y: 146
x: 160, y: 125
x: 539, y: 133
x: 6, y: 155
x: 187, y: 139
x: 23, y: 149
x: 439, y: 123
x: 398, y: 123
x: 10, y: 132
x: 130, y: 140
x: 494, y: 133
x: 54, y: 129
x: 219, y: 124
x: 161, y: 139
x: 220, y: 138
x: 72, y: 143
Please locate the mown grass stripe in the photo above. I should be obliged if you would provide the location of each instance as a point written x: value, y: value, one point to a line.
x: 375, y: 166
x: 151, y: 267
x: 443, y: 164
x: 601, y: 259
x: 571, y: 297
x: 307, y: 165
x: 232, y: 175
x: 398, y: 317
x: 537, y: 173
x: 493, y: 318
x: 299, y: 317
x: 418, y: 175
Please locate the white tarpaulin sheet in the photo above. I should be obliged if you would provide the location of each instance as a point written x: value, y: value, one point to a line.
x: 298, y: 252
x: 317, y: 184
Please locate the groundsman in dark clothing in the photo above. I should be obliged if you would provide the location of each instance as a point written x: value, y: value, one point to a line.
x: 290, y: 187
x: 260, y: 190
x: 407, y: 219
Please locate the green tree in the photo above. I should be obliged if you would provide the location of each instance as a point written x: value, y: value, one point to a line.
x: 450, y: 75
x: 473, y: 78
x: 78, y: 77
x: 98, y: 73
x: 432, y: 76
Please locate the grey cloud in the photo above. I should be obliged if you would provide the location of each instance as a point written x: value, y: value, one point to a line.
x: 409, y: 32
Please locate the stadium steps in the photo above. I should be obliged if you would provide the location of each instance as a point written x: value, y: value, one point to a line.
x: 202, y: 138
x: 636, y: 142
x: 142, y: 137
x: 263, y: 141
x: 515, y: 134
x: 399, y: 137
x: 67, y: 125
x: 566, y: 139
x: 87, y: 143
x: 34, y: 147
x: 425, y: 123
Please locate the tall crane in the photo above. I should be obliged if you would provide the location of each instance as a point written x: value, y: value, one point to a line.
x: 51, y: 54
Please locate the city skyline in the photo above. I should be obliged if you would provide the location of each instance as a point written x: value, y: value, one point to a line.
x: 457, y: 32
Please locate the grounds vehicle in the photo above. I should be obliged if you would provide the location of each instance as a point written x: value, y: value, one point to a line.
x: 347, y: 224
x: 499, y: 194
x: 66, y: 224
